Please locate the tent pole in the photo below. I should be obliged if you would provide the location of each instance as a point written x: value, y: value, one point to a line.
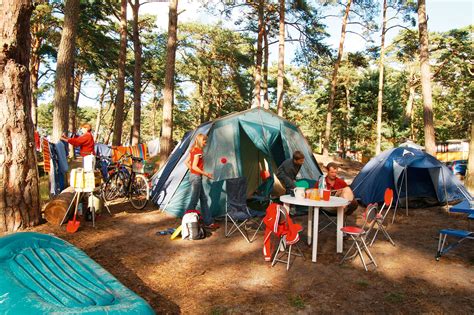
x: 399, y: 189
x: 445, y: 190
x: 406, y: 190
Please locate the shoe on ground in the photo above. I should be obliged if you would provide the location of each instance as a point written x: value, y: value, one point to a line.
x: 212, y: 226
x: 351, y: 207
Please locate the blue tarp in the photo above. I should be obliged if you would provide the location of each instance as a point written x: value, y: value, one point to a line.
x: 425, y: 177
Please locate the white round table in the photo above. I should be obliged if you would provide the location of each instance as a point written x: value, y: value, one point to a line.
x: 314, y: 205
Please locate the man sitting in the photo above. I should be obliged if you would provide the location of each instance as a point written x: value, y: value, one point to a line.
x: 339, y: 187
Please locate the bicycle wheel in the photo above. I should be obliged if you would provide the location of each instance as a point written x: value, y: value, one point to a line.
x: 139, y: 192
x: 113, y: 187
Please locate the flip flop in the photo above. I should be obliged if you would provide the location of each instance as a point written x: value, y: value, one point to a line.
x: 176, y: 233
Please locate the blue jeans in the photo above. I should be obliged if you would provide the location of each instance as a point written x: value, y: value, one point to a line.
x: 197, y: 193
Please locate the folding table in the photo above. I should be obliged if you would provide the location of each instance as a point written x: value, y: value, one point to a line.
x: 462, y: 235
x: 313, y: 217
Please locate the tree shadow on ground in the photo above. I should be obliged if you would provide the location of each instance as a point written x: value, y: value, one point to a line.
x: 222, y: 275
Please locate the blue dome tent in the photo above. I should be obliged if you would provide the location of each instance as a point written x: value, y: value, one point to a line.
x: 410, y: 173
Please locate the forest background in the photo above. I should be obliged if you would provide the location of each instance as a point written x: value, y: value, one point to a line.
x: 402, y: 82
x: 216, y: 65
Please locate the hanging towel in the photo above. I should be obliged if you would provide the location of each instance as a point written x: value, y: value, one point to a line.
x: 46, y: 155
x: 102, y: 150
x: 37, y: 140
x: 118, y: 151
x: 153, y: 147
x: 140, y: 150
x: 61, y: 151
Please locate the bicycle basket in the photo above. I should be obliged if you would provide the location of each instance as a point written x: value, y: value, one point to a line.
x: 138, y: 166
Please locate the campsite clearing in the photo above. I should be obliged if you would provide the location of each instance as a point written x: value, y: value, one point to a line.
x: 221, y: 275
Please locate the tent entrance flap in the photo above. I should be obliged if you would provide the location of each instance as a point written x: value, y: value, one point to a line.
x: 408, y: 186
x: 253, y: 162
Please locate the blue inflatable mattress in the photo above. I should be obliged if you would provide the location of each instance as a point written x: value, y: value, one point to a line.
x: 42, y: 274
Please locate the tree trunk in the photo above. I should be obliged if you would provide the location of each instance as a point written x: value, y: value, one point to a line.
x: 281, y: 60
x: 36, y: 42
x: 166, y: 141
x: 19, y: 193
x: 334, y: 80
x: 469, y: 181
x: 154, y: 110
x: 348, y: 118
x: 408, y: 119
x: 137, y: 75
x: 64, y: 70
x: 258, y: 66
x: 381, y: 69
x: 266, y: 103
x: 430, y: 142
x: 120, y: 99
x: 99, y: 111
x: 55, y: 210
x: 76, y: 86
x: 201, y: 102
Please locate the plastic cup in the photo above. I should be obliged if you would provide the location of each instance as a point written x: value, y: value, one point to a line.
x: 316, y: 195
x: 326, y: 194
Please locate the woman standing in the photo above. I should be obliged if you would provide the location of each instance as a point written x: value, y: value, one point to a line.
x: 85, y: 142
x: 195, y: 164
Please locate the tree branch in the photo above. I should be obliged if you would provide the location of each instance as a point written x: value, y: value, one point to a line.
x: 366, y: 39
x: 44, y: 73
x: 359, y: 23
x: 398, y: 25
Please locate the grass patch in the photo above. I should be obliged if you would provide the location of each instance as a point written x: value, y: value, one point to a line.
x: 362, y: 283
x: 218, y: 310
x: 395, y: 297
x: 44, y: 189
x: 296, y: 301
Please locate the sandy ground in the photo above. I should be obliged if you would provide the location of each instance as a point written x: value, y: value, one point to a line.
x: 220, y: 275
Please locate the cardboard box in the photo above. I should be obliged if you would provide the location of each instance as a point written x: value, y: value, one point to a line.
x: 79, y: 179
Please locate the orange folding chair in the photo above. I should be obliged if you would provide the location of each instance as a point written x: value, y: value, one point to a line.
x: 358, y: 236
x: 381, y: 215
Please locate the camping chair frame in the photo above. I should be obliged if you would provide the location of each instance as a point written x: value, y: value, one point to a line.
x: 240, y: 225
x: 381, y: 215
x: 282, y: 249
x: 358, y: 236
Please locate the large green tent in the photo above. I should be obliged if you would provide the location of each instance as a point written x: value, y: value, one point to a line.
x: 239, y: 144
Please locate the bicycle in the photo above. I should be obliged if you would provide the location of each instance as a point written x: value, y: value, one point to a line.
x: 126, y: 180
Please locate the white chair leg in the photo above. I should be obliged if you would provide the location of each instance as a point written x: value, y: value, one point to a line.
x: 361, y: 255
x: 256, y: 231
x: 289, y: 257
x: 277, y: 251
x: 366, y: 249
x: 346, y: 257
x: 388, y: 236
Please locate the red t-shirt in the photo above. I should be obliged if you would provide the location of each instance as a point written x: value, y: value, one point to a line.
x: 196, y: 153
x: 86, y: 142
x: 338, y: 184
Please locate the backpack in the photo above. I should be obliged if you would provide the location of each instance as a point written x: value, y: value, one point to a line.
x: 191, y: 226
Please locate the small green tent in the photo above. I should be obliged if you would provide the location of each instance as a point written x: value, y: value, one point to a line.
x: 239, y: 144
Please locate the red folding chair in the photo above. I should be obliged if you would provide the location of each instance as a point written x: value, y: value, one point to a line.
x: 358, y: 236
x: 381, y: 215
